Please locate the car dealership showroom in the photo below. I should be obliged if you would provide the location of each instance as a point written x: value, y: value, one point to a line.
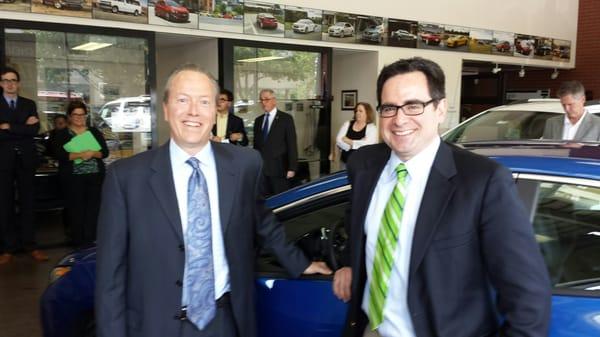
x: 495, y: 105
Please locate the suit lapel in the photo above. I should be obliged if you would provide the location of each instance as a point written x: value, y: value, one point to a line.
x: 436, y: 196
x: 584, y: 127
x: 227, y: 178
x: 161, y: 182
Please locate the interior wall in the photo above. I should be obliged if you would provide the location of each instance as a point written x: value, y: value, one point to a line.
x: 203, y: 53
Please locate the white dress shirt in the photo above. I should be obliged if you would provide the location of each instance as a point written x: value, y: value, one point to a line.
x: 370, y: 137
x: 396, y: 316
x: 569, y: 130
x: 181, y: 175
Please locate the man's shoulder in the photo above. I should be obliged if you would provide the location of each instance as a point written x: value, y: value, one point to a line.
x: 283, y: 114
x: 237, y: 153
x: 469, y: 163
x: 138, y: 161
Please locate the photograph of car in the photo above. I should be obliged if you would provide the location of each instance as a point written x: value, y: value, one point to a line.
x: 431, y: 38
x: 304, y: 26
x: 341, y: 29
x: 62, y: 4
x: 121, y: 6
x: 524, y: 47
x: 373, y: 33
x: 559, y: 185
x: 171, y: 11
x: 402, y: 34
x: 457, y: 41
x: 502, y: 46
x: 543, y: 50
x: 266, y: 21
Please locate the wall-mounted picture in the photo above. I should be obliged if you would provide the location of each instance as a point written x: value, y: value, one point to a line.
x: 503, y: 43
x: 524, y: 45
x: 370, y: 30
x: 339, y: 27
x: 174, y: 13
x: 78, y: 8
x: 430, y: 35
x: 456, y: 38
x: 402, y: 33
x: 349, y: 99
x: 135, y: 11
x: 303, y: 23
x: 16, y: 5
x: 561, y: 50
x: 543, y: 48
x: 263, y: 19
x: 221, y: 15
x: 480, y: 40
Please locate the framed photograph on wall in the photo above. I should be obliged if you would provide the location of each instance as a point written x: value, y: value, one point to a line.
x: 349, y: 99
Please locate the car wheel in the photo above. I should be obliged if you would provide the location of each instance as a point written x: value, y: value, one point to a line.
x: 57, y: 5
x: 260, y: 24
x: 136, y: 13
x: 115, y: 9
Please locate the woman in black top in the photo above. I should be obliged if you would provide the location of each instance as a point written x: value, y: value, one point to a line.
x: 82, y: 174
x: 357, y: 132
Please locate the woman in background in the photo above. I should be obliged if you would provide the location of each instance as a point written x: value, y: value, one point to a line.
x: 82, y: 174
x: 357, y: 132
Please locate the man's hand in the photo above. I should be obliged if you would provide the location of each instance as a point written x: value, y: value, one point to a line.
x: 317, y: 268
x: 342, y: 282
x: 4, y: 126
x: 290, y: 174
x: 236, y: 137
x: 215, y: 139
x: 32, y: 120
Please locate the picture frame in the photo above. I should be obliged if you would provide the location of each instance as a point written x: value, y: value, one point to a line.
x: 349, y: 99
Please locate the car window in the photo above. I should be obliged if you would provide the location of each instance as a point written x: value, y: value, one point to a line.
x: 501, y: 125
x: 567, y: 228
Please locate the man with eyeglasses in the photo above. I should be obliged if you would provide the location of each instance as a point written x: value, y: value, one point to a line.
x: 228, y: 128
x: 275, y: 139
x: 19, y: 123
x: 439, y: 244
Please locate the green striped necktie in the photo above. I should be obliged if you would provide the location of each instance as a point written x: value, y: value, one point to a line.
x: 387, y: 239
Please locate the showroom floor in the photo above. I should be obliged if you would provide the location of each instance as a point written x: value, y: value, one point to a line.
x: 23, y: 280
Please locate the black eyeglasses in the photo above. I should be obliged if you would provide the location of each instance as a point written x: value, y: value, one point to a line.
x: 409, y: 109
x: 7, y: 81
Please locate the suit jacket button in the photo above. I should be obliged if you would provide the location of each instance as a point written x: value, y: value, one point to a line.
x: 179, y: 283
x: 353, y: 324
x: 181, y: 248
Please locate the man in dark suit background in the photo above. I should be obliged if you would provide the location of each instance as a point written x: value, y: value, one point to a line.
x: 228, y: 128
x: 439, y: 242
x: 150, y: 229
x: 19, y: 123
x: 275, y: 139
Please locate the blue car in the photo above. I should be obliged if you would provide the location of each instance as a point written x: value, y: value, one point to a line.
x: 558, y: 184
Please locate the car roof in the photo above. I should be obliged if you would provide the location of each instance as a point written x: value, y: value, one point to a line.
x: 535, y: 104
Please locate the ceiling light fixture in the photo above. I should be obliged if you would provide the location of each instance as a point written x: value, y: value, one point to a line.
x: 522, y: 71
x: 91, y: 46
x: 262, y: 59
x: 554, y: 74
x: 496, y: 69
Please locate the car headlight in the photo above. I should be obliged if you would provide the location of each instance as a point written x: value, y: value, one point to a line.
x: 58, y: 272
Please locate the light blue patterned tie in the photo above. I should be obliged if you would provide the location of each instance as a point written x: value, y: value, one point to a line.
x: 198, y: 278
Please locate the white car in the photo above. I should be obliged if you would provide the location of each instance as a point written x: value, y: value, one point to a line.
x: 122, y: 6
x: 341, y: 29
x: 304, y: 26
x: 402, y: 34
x: 127, y: 114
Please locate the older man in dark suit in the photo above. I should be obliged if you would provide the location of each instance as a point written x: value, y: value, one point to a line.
x: 275, y: 139
x: 178, y: 227
x: 439, y: 242
x: 19, y: 123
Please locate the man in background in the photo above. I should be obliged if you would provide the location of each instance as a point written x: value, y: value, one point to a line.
x: 275, y: 139
x: 19, y: 123
x: 577, y: 124
x: 229, y: 128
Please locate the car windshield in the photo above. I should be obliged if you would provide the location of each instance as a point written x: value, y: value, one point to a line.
x: 501, y: 125
x: 172, y: 3
x: 340, y: 24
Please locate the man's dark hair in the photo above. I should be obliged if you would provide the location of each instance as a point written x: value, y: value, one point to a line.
x: 7, y: 70
x: 432, y: 71
x: 227, y: 93
x: 59, y: 116
x: 573, y: 88
x: 76, y: 105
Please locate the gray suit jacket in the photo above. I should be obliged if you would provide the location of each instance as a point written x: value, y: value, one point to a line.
x: 141, y: 251
x: 589, y: 131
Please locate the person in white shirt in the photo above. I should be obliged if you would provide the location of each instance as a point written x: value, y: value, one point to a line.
x: 357, y: 132
x: 577, y: 124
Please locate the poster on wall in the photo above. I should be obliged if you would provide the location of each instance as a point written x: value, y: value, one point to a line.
x: 263, y: 19
x: 16, y: 6
x: 78, y: 8
x: 402, y: 33
x: 370, y: 30
x: 135, y: 11
x: 561, y: 50
x: 543, y: 48
x: 303, y: 23
x: 221, y: 15
x: 456, y: 38
x: 524, y: 45
x: 430, y: 35
x: 480, y: 41
x: 180, y: 13
x: 503, y: 43
x: 339, y: 27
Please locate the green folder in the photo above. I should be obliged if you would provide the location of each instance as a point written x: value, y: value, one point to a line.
x: 80, y: 143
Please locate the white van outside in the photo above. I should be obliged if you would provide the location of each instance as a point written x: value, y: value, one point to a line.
x: 127, y: 114
x: 121, y: 6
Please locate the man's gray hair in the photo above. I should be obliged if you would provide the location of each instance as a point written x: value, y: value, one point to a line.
x: 573, y: 88
x: 190, y: 67
x: 270, y: 91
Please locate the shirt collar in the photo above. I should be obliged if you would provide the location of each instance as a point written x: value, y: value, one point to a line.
x: 272, y: 112
x: 8, y: 99
x: 416, y: 166
x: 179, y: 156
x: 567, y: 122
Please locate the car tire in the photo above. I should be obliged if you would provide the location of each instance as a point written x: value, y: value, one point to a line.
x: 136, y: 13
x: 57, y: 5
x: 115, y: 9
x: 260, y: 24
